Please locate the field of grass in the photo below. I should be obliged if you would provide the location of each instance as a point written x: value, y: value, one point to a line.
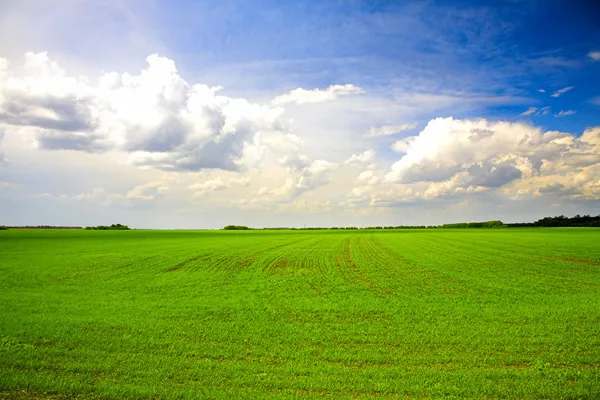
x: 409, y: 314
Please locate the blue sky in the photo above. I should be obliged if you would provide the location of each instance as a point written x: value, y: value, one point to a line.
x: 517, y: 65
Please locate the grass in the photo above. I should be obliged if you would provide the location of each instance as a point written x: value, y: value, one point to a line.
x: 407, y: 314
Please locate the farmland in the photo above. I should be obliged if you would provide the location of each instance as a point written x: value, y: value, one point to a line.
x: 408, y: 314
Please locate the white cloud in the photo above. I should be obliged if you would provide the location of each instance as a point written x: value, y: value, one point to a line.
x: 388, y: 130
x: 303, y: 96
x: 147, y: 191
x: 563, y: 113
x: 470, y: 156
x: 402, y: 145
x: 562, y: 91
x: 530, y: 110
x: 363, y: 158
x: 368, y: 177
x: 541, y: 90
x: 536, y: 111
x: 594, y: 55
x: 156, y: 116
x: 213, y: 185
x: 299, y: 182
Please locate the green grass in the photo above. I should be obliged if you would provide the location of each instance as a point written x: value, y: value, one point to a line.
x: 409, y: 314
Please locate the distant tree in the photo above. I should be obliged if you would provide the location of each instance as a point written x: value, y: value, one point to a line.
x: 235, y: 228
x: 113, y: 227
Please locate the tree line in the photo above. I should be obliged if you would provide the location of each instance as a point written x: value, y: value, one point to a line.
x: 113, y: 227
x: 559, y: 221
x: 2, y: 227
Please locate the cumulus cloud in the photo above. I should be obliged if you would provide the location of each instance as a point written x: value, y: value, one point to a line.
x: 303, y: 96
x: 365, y: 157
x: 314, y: 175
x: 402, y: 145
x: 594, y: 55
x: 562, y: 91
x: 564, y: 113
x: 541, y: 90
x: 368, y: 177
x: 160, y: 119
x: 477, y: 155
x: 388, y: 130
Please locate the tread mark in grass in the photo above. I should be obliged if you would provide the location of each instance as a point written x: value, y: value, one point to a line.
x: 575, y: 260
x: 181, y: 264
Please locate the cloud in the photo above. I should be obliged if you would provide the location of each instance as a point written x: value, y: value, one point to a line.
x: 8, y: 186
x: 160, y: 119
x: 314, y: 175
x: 530, y: 110
x: 365, y: 157
x: 562, y: 91
x: 541, y: 90
x: 139, y: 194
x: 459, y: 156
x: 536, y: 111
x: 594, y: 55
x: 217, y: 184
x: 368, y: 177
x: 97, y: 196
x: 552, y: 62
x: 303, y: 96
x: 403, y: 144
x: 3, y: 160
x: 147, y: 191
x: 388, y: 130
x: 563, y: 113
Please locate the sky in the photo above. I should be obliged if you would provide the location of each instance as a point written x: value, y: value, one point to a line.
x: 199, y: 114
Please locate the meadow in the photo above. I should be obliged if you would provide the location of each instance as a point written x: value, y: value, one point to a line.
x: 391, y: 314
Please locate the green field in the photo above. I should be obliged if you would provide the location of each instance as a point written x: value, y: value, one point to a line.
x: 409, y: 314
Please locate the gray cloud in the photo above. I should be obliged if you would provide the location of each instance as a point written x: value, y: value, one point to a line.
x: 493, y: 175
x: 66, y: 140
x: 67, y: 114
x: 166, y: 135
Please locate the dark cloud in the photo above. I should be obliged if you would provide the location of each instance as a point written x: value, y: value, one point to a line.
x: 69, y: 114
x: 64, y: 140
x: 165, y: 136
x: 493, y: 175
